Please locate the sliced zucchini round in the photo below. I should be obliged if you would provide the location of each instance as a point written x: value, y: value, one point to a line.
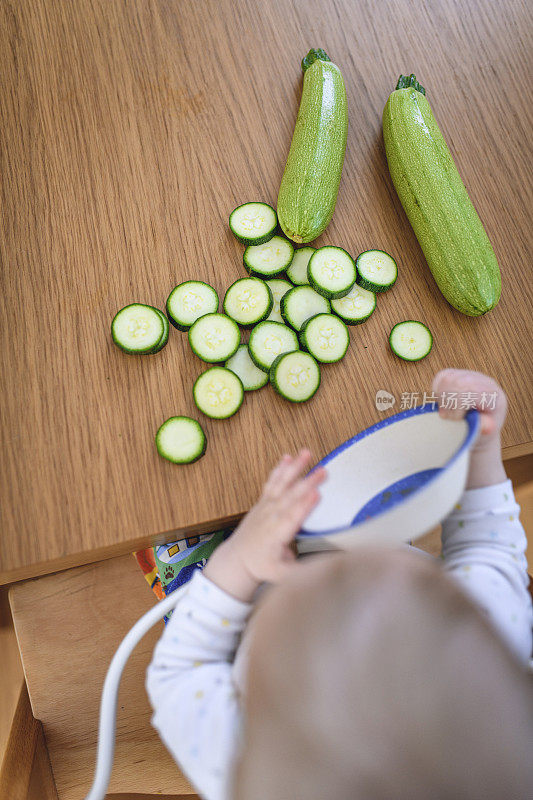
x: 300, y: 304
x: 295, y: 376
x: 253, y: 223
x: 269, y: 259
x: 356, y: 306
x: 326, y: 337
x: 137, y: 328
x: 411, y: 340
x: 214, y: 337
x: 218, y: 393
x: 166, y: 329
x: 181, y: 440
x: 331, y: 271
x: 242, y: 365
x: 376, y: 270
x: 248, y: 301
x: 297, y: 272
x: 268, y: 340
x: 278, y: 287
x: 189, y: 301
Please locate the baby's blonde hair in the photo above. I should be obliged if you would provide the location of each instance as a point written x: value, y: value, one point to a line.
x: 371, y: 676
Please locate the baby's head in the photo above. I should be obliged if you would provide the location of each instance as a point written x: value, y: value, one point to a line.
x: 372, y: 676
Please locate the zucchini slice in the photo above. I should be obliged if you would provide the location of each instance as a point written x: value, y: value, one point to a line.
x: 278, y: 287
x: 326, y: 337
x: 269, y: 259
x: 411, y: 340
x: 253, y: 223
x: 218, y: 393
x: 356, y: 306
x: 248, y: 301
x: 295, y: 376
x: 331, y: 271
x: 189, y: 301
x: 242, y: 365
x: 300, y: 304
x: 137, y: 328
x: 214, y: 337
x: 376, y: 270
x: 180, y: 440
x: 268, y: 340
x: 297, y: 272
x: 166, y: 328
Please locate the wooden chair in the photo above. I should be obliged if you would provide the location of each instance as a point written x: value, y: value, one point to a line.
x: 68, y: 626
x: 26, y: 773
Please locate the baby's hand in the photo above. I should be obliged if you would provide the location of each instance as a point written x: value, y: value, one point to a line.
x: 260, y: 547
x: 489, y: 398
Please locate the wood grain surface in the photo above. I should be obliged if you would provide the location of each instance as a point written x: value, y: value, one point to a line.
x: 129, y: 132
x: 68, y: 627
x: 25, y: 771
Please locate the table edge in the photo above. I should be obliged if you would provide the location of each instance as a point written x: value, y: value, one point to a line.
x: 85, y: 557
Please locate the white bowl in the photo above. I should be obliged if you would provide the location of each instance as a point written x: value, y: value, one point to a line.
x: 392, y: 482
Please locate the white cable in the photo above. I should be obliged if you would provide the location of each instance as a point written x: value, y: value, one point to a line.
x: 108, y: 703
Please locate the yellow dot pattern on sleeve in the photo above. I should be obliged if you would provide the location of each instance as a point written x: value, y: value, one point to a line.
x: 198, y: 695
x: 224, y: 622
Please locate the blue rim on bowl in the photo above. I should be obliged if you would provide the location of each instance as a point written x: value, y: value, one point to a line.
x: 473, y: 422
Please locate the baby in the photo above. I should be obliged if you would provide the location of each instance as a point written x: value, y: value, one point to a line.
x: 370, y: 674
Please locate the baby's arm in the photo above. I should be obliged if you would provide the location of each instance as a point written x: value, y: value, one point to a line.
x: 483, y: 542
x: 189, y: 682
x: 190, y: 685
x: 483, y: 545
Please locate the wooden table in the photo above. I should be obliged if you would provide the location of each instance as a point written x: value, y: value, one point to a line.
x: 129, y: 132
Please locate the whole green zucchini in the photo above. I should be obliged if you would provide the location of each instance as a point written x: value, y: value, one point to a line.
x: 437, y: 204
x: 310, y: 183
